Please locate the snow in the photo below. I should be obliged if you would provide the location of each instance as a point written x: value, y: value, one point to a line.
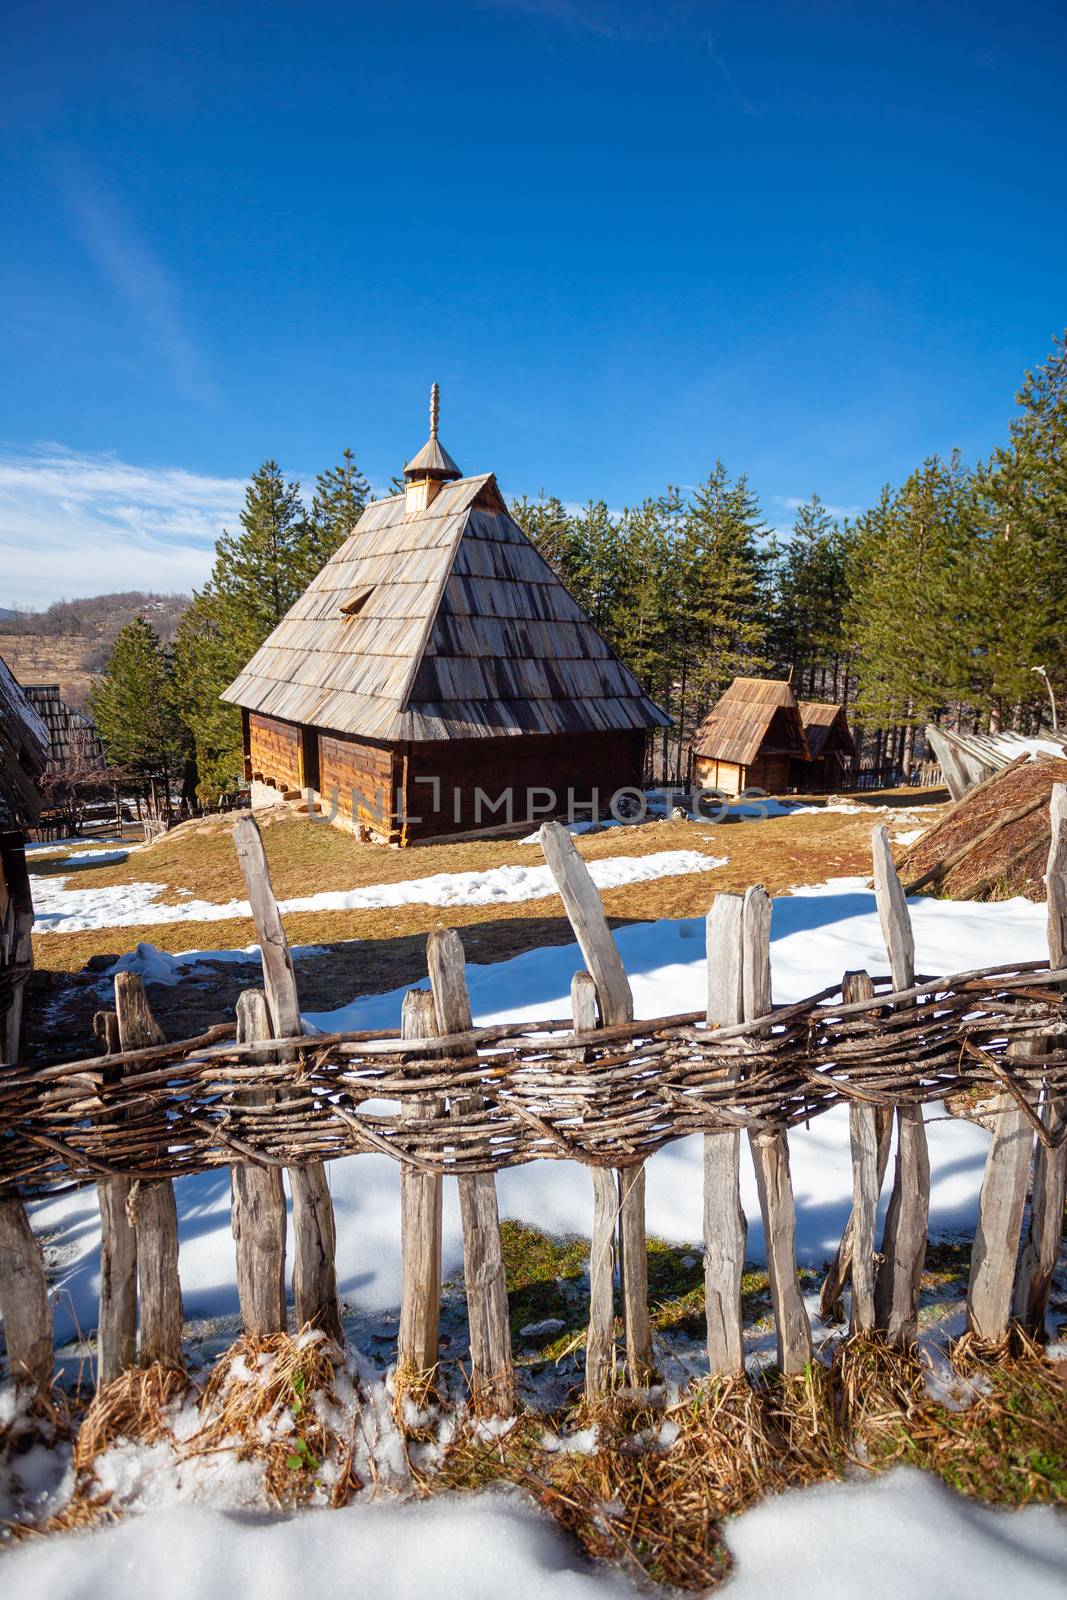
x: 62, y: 910
x: 893, y: 1538
x: 899, y: 1537
x: 817, y: 934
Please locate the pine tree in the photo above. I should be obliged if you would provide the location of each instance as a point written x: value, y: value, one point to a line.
x: 340, y: 495
x: 132, y: 704
x: 911, y: 574
x: 722, y: 584
x: 259, y: 572
x: 1024, y: 573
x: 811, y: 584
x: 203, y: 665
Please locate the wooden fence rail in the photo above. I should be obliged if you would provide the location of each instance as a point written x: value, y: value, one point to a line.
x: 598, y: 1088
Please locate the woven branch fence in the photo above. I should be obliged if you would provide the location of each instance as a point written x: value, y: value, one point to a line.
x: 448, y: 1100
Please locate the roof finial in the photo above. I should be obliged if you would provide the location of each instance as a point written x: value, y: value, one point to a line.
x: 433, y: 460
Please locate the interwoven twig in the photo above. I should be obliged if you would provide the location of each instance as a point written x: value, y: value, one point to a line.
x: 608, y: 1098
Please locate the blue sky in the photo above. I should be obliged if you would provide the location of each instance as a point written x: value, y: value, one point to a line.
x: 817, y: 240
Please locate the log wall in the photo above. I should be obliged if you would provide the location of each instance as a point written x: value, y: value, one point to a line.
x: 366, y: 777
x: 274, y: 752
x: 539, y: 770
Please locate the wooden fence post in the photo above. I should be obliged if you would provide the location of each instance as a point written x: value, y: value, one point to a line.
x: 153, y: 1201
x: 420, y: 1231
x: 116, y: 1328
x: 725, y: 1226
x: 492, y: 1375
x: 896, y: 1293
x: 585, y: 912
x: 24, y: 1305
x: 314, y: 1228
x: 600, y: 1335
x: 257, y: 1204
x: 770, y: 1157
x: 1041, y: 1246
x: 870, y: 1130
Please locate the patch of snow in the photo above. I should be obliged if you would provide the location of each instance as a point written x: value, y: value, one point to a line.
x: 537, y: 1330
x: 127, y: 905
x: 909, y: 837
x: 903, y: 1536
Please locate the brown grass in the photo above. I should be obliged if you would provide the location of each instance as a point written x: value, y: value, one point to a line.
x: 134, y: 1406
x: 260, y: 1386
x: 306, y: 859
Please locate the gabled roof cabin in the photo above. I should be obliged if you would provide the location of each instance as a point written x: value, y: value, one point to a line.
x: 749, y: 738
x: 435, y: 664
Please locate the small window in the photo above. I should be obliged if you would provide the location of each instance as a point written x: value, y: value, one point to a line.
x: 355, y: 603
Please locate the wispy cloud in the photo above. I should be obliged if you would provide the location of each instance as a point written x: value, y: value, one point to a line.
x: 75, y: 524
x: 793, y: 502
x: 113, y: 243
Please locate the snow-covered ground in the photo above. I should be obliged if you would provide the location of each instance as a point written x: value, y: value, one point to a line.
x: 898, y: 1537
x: 60, y: 908
x: 817, y: 933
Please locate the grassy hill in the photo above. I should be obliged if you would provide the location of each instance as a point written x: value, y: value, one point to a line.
x: 69, y: 643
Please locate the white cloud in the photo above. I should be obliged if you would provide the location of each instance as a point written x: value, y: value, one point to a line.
x: 793, y: 502
x: 77, y: 524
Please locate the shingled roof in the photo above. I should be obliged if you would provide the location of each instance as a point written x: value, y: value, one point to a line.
x: 23, y: 751
x: 819, y: 718
x: 443, y: 623
x: 755, y: 716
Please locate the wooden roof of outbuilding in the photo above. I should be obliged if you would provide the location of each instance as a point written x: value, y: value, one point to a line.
x: 826, y: 727
x: 455, y: 628
x: 755, y: 716
x: 23, y: 751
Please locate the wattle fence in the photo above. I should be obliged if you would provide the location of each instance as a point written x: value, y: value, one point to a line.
x: 451, y: 1101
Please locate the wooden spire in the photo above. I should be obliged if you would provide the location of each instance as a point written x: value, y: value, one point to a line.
x: 433, y: 460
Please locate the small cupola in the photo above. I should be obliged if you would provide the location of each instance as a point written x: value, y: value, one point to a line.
x: 432, y: 467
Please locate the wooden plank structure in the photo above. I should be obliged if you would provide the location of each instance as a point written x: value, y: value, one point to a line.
x: 750, y: 738
x: 23, y: 760
x: 475, y: 1100
x: 436, y: 678
x: 970, y: 759
x: 832, y: 752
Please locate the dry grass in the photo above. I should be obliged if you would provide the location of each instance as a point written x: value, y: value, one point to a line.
x: 264, y: 1399
x: 307, y: 859
x: 134, y: 1406
x: 652, y: 1494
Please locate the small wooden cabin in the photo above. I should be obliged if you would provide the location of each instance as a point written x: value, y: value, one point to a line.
x: 832, y: 749
x: 436, y: 678
x: 750, y: 738
x: 23, y: 757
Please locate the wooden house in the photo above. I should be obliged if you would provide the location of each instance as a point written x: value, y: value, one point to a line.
x: 23, y: 757
x: 831, y: 747
x: 437, y: 679
x: 72, y: 737
x: 750, y: 738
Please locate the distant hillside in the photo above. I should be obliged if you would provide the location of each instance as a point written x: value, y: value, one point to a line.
x: 70, y: 642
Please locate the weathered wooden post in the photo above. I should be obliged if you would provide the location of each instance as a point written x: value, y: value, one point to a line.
x: 868, y: 1125
x: 1041, y: 1245
x: 585, y: 912
x: 725, y: 1225
x: 896, y: 1294
x: 420, y: 1231
x: 116, y: 1329
x: 314, y: 1229
x: 870, y: 1130
x: 600, y: 1335
x: 152, y: 1202
x: 770, y: 1157
x: 492, y: 1376
x: 24, y: 1305
x: 257, y: 1204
